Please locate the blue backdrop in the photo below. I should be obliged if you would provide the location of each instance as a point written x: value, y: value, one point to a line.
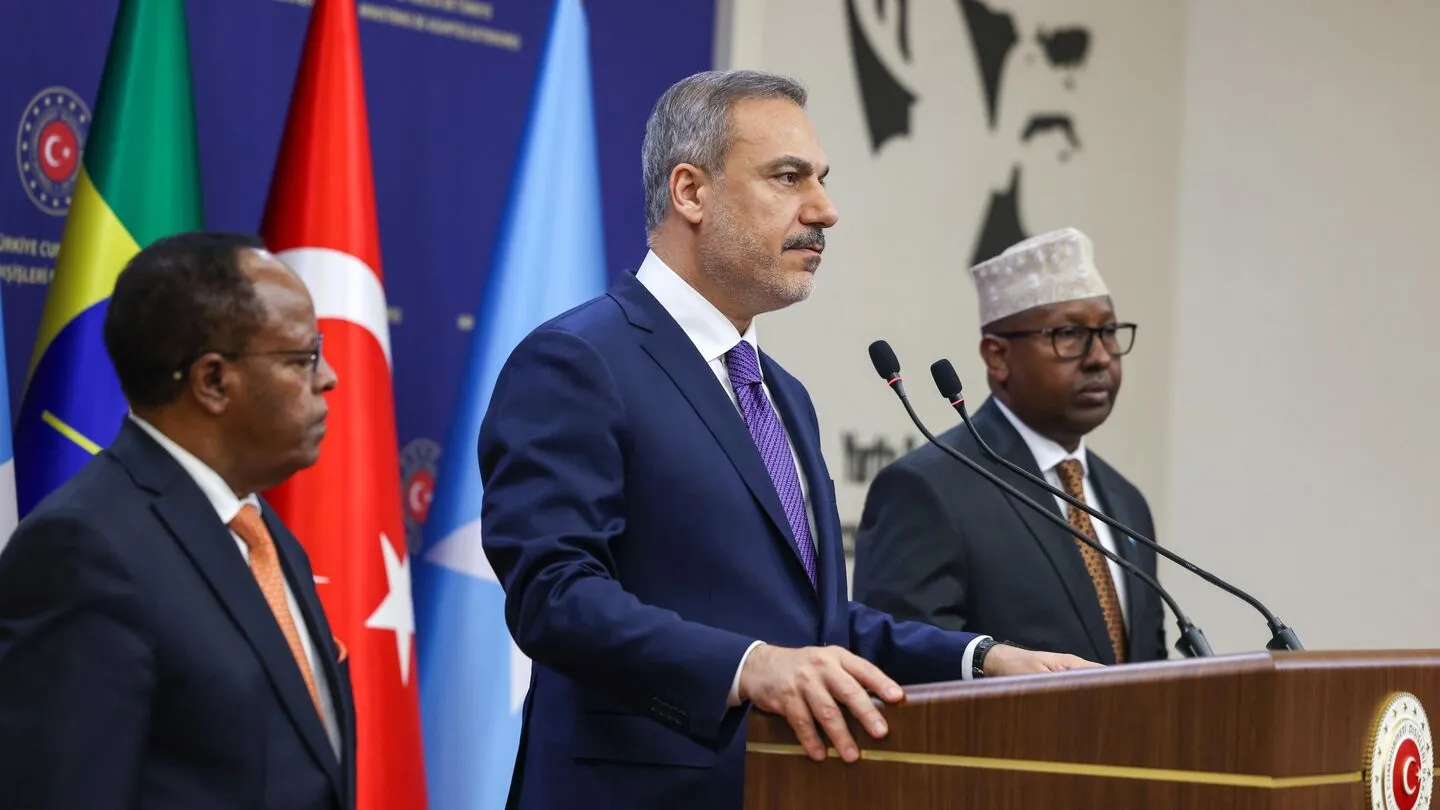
x: 447, y: 93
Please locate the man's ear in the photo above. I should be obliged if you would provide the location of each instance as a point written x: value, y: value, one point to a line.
x: 996, y: 354
x: 208, y: 380
x: 689, y: 188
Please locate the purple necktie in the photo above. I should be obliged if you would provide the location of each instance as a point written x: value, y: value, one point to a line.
x: 769, y: 436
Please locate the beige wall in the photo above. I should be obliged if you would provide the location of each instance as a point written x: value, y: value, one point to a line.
x: 1302, y: 451
x: 1261, y: 184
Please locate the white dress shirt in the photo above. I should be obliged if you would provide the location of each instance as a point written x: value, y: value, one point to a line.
x: 714, y: 335
x: 227, y: 506
x: 1048, y: 455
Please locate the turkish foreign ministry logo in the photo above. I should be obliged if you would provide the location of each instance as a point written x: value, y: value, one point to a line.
x: 1401, y: 771
x: 418, y: 461
x: 48, y: 146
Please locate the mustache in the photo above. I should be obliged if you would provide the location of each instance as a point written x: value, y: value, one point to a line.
x: 1044, y: 123
x: 813, y: 238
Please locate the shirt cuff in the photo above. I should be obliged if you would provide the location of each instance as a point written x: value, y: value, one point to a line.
x: 968, y: 662
x: 734, y: 699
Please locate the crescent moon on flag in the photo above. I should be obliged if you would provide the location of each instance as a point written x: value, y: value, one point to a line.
x: 343, y: 288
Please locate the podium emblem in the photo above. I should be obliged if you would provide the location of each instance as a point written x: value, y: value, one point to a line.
x: 1401, y: 768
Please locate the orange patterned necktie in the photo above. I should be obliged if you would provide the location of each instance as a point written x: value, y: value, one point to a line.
x: 265, y: 565
x: 1072, y: 477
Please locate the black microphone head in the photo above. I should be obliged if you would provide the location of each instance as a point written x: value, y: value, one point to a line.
x: 946, y: 379
x: 887, y: 365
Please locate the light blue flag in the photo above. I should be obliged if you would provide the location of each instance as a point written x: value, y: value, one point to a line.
x: 8, y: 510
x: 550, y: 257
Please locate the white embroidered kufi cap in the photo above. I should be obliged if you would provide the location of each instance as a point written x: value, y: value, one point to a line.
x: 1051, y: 268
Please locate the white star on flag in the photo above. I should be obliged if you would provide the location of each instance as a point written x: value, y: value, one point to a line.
x: 463, y: 553
x: 397, y: 612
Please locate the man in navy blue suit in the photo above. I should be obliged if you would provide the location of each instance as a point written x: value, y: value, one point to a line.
x: 656, y: 504
x: 161, y: 641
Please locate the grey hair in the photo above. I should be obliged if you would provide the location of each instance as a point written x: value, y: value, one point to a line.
x: 691, y: 124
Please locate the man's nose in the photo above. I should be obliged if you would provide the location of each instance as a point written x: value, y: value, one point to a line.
x: 325, y: 377
x: 1097, y: 357
x: 820, y: 211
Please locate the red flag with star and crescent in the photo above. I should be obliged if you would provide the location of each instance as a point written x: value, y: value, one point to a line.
x: 320, y: 220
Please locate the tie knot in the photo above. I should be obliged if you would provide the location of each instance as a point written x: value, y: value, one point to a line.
x: 249, y: 526
x: 743, y: 364
x: 1072, y: 477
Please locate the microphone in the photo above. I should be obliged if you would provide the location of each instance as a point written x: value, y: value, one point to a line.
x: 1191, y: 643
x: 1281, y: 637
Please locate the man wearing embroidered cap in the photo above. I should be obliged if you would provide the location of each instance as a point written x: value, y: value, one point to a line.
x: 938, y: 544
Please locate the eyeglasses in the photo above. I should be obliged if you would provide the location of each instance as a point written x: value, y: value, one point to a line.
x: 311, y: 354
x: 1075, y: 342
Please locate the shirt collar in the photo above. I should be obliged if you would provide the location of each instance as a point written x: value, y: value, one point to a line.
x: 1047, y: 452
x: 707, y: 327
x: 221, y: 497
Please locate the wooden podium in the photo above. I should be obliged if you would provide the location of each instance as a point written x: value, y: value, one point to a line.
x: 1262, y: 730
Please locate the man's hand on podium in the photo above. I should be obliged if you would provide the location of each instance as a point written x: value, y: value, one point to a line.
x: 1004, y: 659
x: 809, y: 684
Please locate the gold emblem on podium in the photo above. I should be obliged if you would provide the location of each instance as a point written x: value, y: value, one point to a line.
x: 1401, y: 758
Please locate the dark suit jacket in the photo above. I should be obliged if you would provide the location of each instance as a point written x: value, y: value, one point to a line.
x: 642, y: 548
x: 940, y: 544
x: 140, y: 666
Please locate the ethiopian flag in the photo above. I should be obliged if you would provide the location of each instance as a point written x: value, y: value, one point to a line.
x: 139, y: 181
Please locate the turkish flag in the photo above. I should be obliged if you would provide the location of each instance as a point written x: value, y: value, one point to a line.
x: 346, y: 509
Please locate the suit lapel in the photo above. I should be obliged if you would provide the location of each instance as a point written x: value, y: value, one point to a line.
x: 668, y: 346
x: 190, y: 519
x: 194, y: 525
x: 302, y: 585
x: 1059, y: 545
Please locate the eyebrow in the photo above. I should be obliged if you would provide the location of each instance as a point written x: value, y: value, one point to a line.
x: 799, y: 164
x: 308, y: 343
x: 1079, y: 319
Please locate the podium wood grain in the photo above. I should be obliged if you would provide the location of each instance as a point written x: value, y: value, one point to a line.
x: 1261, y: 730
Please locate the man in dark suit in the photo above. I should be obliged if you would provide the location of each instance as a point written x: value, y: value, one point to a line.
x: 161, y: 641
x: 939, y: 544
x: 655, y: 501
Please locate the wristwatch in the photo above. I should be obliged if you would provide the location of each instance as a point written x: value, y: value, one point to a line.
x: 977, y: 663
